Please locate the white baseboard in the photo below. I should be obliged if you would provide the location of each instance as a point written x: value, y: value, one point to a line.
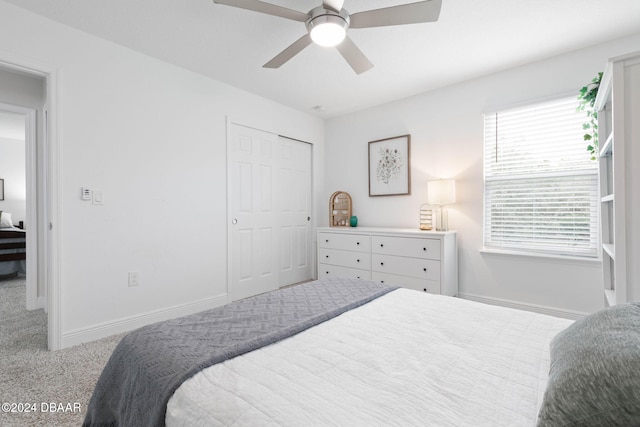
x: 103, y: 330
x: 567, y: 314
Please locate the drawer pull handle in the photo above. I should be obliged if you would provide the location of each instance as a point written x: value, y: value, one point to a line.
x: 326, y: 241
x: 424, y: 289
x: 357, y: 243
x: 327, y: 272
x: 382, y: 245
x: 424, y: 249
x: 382, y: 263
x: 357, y: 260
x: 424, y: 269
x: 326, y: 256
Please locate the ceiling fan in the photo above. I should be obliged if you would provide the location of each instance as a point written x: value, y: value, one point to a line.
x: 327, y: 25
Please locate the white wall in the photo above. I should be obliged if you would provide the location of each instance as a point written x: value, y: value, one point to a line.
x: 152, y: 137
x: 12, y: 170
x: 446, y: 128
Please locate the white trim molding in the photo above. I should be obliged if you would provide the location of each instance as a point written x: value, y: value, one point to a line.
x: 550, y: 311
x: 127, y: 324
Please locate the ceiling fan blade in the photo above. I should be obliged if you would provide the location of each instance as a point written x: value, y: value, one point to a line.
x: 295, y: 48
x: 354, y: 56
x: 335, y: 5
x: 412, y: 13
x: 268, y: 8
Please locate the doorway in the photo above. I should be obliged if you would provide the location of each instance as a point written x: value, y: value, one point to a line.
x: 30, y: 90
x: 18, y: 164
x: 270, y: 203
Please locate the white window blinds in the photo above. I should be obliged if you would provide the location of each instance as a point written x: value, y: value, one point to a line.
x: 540, y: 186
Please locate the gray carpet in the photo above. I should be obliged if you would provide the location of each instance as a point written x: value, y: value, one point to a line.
x: 30, y: 374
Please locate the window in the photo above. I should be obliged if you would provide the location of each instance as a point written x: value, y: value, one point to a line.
x: 540, y: 184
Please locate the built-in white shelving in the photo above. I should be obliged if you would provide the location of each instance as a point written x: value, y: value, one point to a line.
x: 618, y: 106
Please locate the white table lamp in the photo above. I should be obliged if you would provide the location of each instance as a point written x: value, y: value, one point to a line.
x: 441, y: 192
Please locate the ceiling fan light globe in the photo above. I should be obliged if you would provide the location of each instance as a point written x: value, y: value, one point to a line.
x: 328, y: 34
x: 326, y: 27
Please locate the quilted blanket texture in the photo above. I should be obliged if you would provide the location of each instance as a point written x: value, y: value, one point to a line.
x: 149, y: 364
x: 405, y: 359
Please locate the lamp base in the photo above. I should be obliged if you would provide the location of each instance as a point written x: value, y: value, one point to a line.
x: 442, y: 219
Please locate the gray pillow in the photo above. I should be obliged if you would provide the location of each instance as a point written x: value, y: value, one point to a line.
x: 594, y: 379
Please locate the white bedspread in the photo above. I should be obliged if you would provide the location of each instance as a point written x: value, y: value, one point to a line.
x: 407, y: 358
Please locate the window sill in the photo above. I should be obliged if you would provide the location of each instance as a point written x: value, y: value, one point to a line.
x: 533, y: 256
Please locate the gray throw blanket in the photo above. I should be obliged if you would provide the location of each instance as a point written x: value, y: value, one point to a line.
x: 149, y: 364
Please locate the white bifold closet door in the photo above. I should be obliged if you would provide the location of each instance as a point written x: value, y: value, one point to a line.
x: 270, y: 190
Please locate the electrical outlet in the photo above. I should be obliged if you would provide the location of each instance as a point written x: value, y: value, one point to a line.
x: 97, y: 197
x: 134, y: 278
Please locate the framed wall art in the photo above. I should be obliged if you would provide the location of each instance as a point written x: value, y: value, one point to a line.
x: 389, y: 166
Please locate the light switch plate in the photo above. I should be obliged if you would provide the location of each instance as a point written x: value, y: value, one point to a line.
x: 97, y: 197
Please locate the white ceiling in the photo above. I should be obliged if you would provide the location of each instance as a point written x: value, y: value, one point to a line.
x: 471, y: 38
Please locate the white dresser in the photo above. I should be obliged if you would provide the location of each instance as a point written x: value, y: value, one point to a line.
x: 422, y: 260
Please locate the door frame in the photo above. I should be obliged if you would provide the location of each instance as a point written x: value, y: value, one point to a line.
x: 46, y: 198
x: 229, y: 123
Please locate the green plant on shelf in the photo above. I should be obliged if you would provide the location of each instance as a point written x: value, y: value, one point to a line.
x: 587, y: 99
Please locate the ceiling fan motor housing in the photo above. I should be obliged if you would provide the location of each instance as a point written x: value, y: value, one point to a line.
x: 327, y: 27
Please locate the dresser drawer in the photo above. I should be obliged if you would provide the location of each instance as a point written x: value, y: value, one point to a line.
x: 326, y: 270
x: 351, y: 259
x: 408, y: 247
x: 430, y: 286
x: 345, y: 242
x: 412, y: 267
x: 408, y: 258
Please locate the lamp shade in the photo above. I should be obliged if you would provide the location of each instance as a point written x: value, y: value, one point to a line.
x: 441, y: 192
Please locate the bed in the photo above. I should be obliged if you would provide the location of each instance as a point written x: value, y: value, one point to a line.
x: 342, y: 351
x: 13, y: 252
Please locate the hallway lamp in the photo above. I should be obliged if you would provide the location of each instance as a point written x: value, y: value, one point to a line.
x: 441, y: 192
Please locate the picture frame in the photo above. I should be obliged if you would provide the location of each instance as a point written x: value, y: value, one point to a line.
x: 390, y: 166
x: 1, y: 189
